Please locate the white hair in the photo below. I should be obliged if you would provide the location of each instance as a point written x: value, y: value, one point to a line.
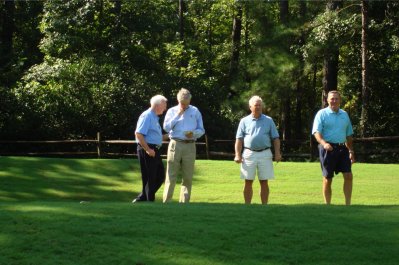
x: 255, y: 99
x: 183, y: 95
x: 158, y: 99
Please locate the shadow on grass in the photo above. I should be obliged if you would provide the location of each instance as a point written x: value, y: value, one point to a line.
x: 31, y: 179
x: 198, y: 233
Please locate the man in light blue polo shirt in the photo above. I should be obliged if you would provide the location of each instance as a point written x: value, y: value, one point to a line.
x: 333, y: 131
x: 256, y: 133
x: 149, y: 141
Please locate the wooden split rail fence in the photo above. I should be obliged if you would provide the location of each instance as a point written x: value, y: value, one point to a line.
x: 206, y: 149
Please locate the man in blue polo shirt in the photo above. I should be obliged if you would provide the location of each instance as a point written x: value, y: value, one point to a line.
x: 333, y: 131
x: 149, y: 141
x: 256, y: 133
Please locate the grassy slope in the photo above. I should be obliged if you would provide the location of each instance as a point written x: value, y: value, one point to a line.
x: 42, y: 221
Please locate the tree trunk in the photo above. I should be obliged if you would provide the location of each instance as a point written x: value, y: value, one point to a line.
x: 365, y: 85
x: 182, y: 9
x: 330, y: 67
x: 7, y: 33
x: 247, y: 44
x: 210, y: 36
x: 286, y: 98
x: 299, y: 85
x: 284, y: 11
x: 236, y: 38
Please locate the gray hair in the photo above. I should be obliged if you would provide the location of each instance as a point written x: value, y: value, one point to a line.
x: 333, y: 92
x: 183, y: 95
x: 254, y: 99
x: 158, y: 99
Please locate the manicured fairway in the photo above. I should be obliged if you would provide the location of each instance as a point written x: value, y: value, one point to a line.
x: 43, y: 221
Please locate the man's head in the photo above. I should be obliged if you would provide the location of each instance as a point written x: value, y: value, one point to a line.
x: 334, y: 100
x: 256, y: 105
x: 158, y: 104
x: 184, y: 98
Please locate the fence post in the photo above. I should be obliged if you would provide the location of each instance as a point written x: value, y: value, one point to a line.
x: 206, y: 147
x: 98, y: 145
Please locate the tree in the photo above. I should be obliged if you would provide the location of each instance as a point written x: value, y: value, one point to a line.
x: 330, y: 66
x: 236, y: 43
x: 365, y: 70
x: 286, y: 99
x: 7, y: 32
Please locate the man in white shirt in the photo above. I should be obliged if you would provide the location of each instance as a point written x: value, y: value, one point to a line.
x: 184, y: 125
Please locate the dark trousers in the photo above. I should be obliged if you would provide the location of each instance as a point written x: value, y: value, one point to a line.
x: 152, y: 173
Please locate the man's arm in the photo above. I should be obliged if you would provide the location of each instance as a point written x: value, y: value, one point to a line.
x: 238, y: 150
x: 199, y: 130
x: 320, y: 140
x: 349, y: 145
x: 277, y: 152
x: 143, y: 144
x: 171, y: 119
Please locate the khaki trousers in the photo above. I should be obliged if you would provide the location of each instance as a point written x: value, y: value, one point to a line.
x: 181, y: 156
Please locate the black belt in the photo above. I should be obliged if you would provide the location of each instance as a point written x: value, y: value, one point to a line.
x: 153, y: 146
x: 257, y: 150
x: 183, y: 141
x: 337, y: 144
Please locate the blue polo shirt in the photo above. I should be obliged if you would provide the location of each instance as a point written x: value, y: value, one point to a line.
x: 257, y: 133
x: 333, y: 126
x: 148, y: 125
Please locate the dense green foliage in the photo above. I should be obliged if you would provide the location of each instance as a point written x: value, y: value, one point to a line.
x: 74, y: 67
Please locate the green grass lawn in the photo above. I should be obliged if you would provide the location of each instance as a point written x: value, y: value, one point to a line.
x: 43, y: 222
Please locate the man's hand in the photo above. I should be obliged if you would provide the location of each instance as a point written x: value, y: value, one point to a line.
x: 189, y: 134
x: 352, y: 157
x: 328, y: 147
x: 277, y: 156
x: 150, y: 152
x: 238, y: 159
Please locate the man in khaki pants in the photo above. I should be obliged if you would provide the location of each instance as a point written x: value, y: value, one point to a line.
x: 184, y: 125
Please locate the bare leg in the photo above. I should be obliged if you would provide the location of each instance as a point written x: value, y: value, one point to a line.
x: 327, y: 193
x: 264, y: 191
x: 248, y: 192
x: 348, y: 184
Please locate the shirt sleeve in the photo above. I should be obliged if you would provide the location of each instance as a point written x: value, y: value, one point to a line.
x: 273, y: 130
x: 171, y: 118
x: 349, y: 128
x: 199, y: 130
x: 241, y: 130
x: 317, y: 124
x: 143, y: 124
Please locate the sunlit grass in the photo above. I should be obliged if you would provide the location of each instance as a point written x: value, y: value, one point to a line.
x: 78, y: 211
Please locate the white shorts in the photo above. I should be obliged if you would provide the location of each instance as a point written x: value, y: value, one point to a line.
x: 261, y: 161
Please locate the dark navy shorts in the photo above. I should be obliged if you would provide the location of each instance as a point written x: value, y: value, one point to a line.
x: 334, y: 161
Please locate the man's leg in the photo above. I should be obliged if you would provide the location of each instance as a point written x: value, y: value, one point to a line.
x: 348, y: 184
x: 248, y: 192
x: 160, y: 174
x: 172, y: 168
x: 144, y: 174
x: 265, y: 172
x: 264, y: 191
x: 153, y: 164
x: 327, y: 192
x: 188, y: 161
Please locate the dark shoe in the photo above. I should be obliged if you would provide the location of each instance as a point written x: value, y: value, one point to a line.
x: 138, y: 200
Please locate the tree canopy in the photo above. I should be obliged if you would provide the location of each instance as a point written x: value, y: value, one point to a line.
x: 72, y: 68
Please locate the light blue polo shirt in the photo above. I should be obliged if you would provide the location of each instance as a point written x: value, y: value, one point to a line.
x: 148, y: 125
x: 257, y: 133
x: 333, y: 126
